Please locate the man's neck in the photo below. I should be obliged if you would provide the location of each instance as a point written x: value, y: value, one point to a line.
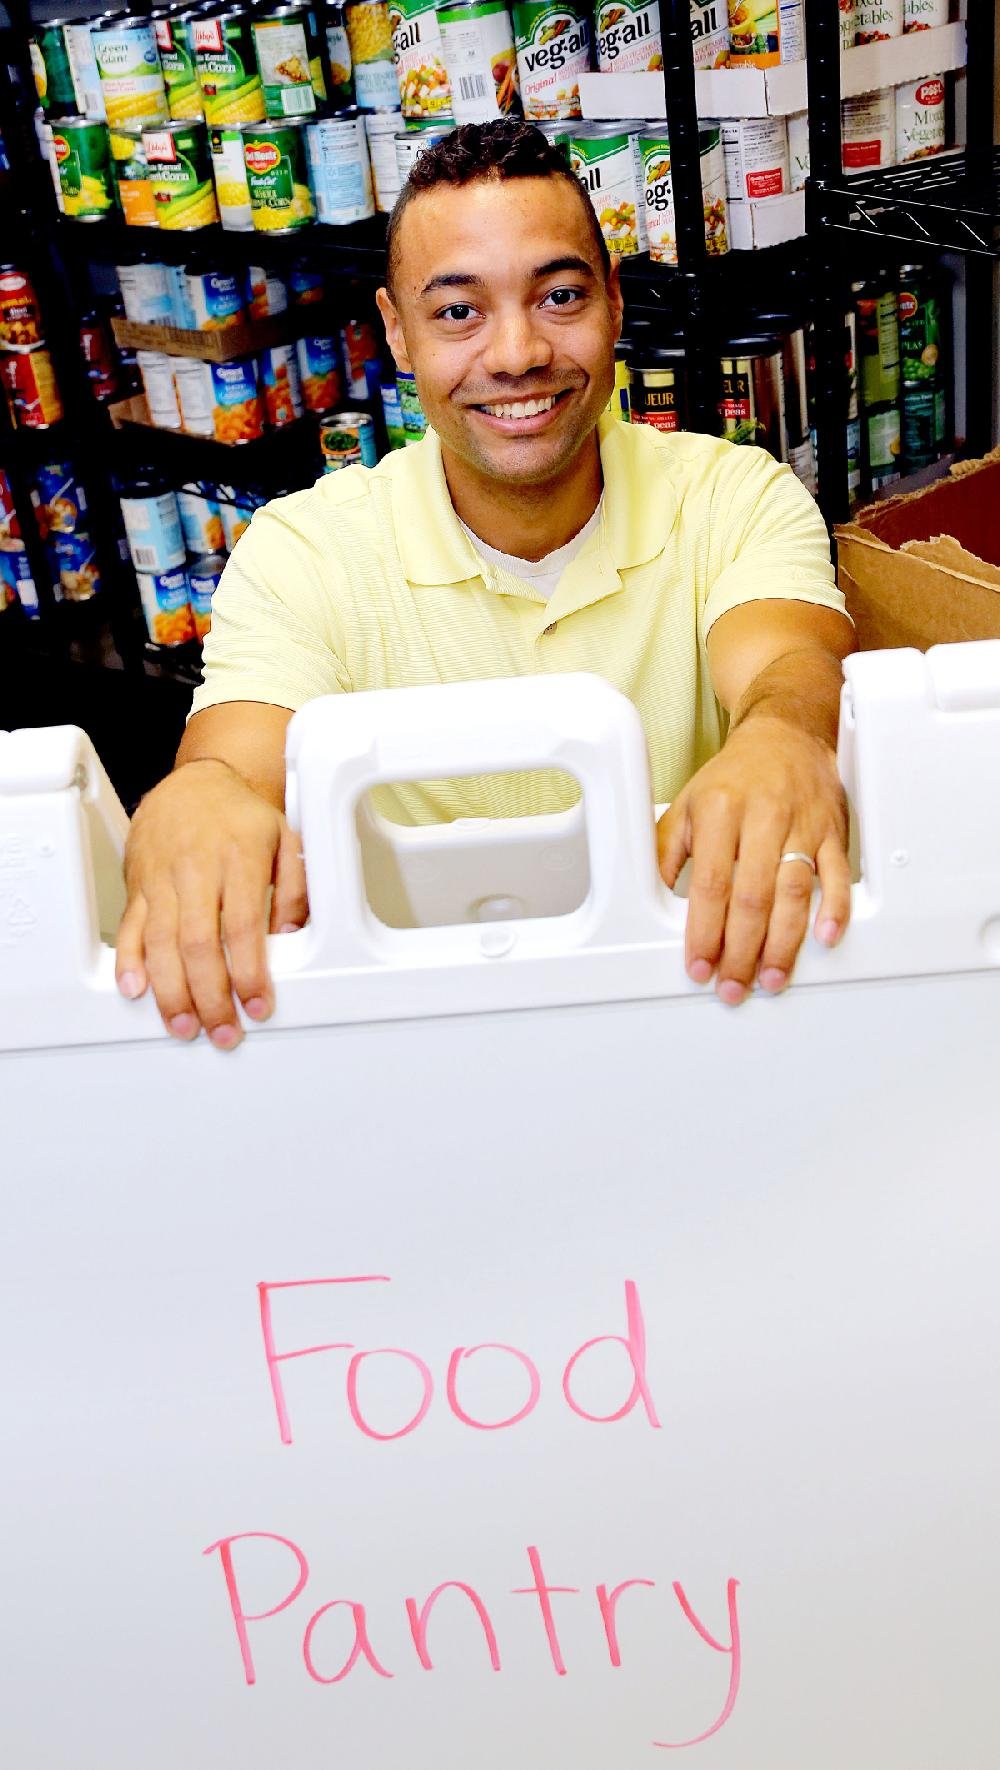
x: 526, y: 521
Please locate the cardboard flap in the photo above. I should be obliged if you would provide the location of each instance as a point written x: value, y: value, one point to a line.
x: 950, y: 556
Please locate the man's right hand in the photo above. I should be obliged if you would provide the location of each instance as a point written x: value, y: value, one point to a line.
x: 203, y: 850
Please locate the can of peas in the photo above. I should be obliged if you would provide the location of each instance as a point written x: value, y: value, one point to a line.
x: 180, y: 175
x: 226, y: 61
x: 347, y: 439
x: 281, y: 198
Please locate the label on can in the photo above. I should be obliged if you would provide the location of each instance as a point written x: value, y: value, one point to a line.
x: 281, y: 385
x: 798, y: 149
x: 153, y: 530
x: 307, y: 287
x: 281, y: 198
x: 216, y: 298
x: 341, y: 171
x: 173, y: 39
x: 74, y: 558
x: 414, y: 417
x: 98, y: 354
x: 30, y: 385
x: 919, y: 333
x: 226, y: 64
x: 20, y: 317
x: 628, y: 37
x: 710, y: 33
x: 918, y: 427
x: 203, y: 580
x: 877, y: 21
x: 347, y: 439
x: 201, y: 524
x: 83, y: 156
x: 319, y: 371
x: 146, y: 293
x: 341, y: 67
x: 131, y: 175
x: 232, y: 191
x: 848, y: 23
x: 756, y: 155
x: 359, y: 347
x: 414, y: 142
x: 381, y: 128
x: 481, y: 60
x: 165, y: 605
x: 713, y: 191
x: 266, y: 294
x: 238, y: 409
x: 392, y: 412
x: 286, y: 70
x: 59, y: 500
x: 131, y: 77
x: 369, y: 34
x: 553, y: 50
x: 160, y: 388
x: 653, y: 399
x: 869, y: 130
x: 50, y: 65
x: 85, y: 72
x: 418, y: 54
x: 751, y: 404
x: 763, y: 33
x: 237, y: 510
x: 883, y: 432
x: 924, y: 15
x: 180, y: 174
x: 878, y: 347
x: 610, y: 169
x: 920, y: 128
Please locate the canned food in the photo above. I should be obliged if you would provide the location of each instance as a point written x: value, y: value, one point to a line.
x: 920, y: 128
x: 337, y: 152
x: 85, y: 72
x: 281, y: 198
x: 306, y: 287
x: 291, y: 69
x: 381, y: 129
x: 369, y: 35
x: 201, y: 524
x: 215, y: 297
x: 392, y: 412
x: 657, y: 393
x: 29, y: 382
x: 882, y: 446
x: 868, y: 126
x: 180, y: 175
x: 266, y: 294
x: 751, y: 405
x: 46, y: 148
x: 411, y: 143
x: 74, y: 561
x: 83, y: 156
x: 798, y: 149
x: 128, y: 62
x: 414, y: 416
x: 628, y: 37
x: 559, y: 133
x: 131, y: 176
x: 195, y: 395
x: 848, y: 23
x: 877, y: 21
x: 98, y: 354
x: 319, y: 372
x: 553, y: 50
x: 203, y: 577
x: 756, y: 157
x: 620, y: 403
x: 918, y: 426
x: 226, y: 64
x: 232, y: 192
x: 160, y: 388
x: 147, y: 293
x: 479, y: 53
x: 360, y: 347
x: 710, y: 33
x: 166, y: 606
x: 238, y: 411
x: 656, y: 186
x: 281, y: 385
x: 152, y: 527
x: 347, y: 439
x: 339, y: 51
x: 20, y: 315
x: 59, y: 500
x: 919, y: 308
x: 878, y: 340
x: 180, y: 76
x: 50, y: 66
x: 763, y: 33
x: 924, y: 15
x: 237, y: 510
x: 605, y: 158
x: 418, y: 53
x: 15, y: 576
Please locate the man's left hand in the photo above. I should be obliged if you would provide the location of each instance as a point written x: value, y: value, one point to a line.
x: 772, y: 790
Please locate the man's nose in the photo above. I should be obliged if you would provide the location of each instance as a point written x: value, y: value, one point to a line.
x: 516, y: 345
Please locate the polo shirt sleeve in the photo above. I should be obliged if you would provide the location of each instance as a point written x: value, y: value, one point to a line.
x: 275, y: 634
x: 767, y: 539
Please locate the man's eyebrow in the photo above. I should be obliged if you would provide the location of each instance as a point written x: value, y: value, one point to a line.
x: 453, y: 279
x: 570, y: 262
x: 467, y: 279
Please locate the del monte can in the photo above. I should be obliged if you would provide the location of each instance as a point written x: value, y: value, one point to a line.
x: 628, y: 37
x: 553, y: 50
x: 281, y: 196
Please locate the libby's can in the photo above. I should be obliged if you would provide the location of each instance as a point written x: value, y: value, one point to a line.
x: 479, y: 53
x: 553, y: 50
x: 50, y: 66
x: 920, y: 119
x: 381, y: 130
x: 229, y: 168
x: 281, y: 198
x: 29, y: 382
x: 128, y: 61
x: 226, y: 64
x: 130, y: 170
x: 281, y: 385
x: 203, y: 577
x: 83, y: 155
x: 751, y: 400
x: 166, y: 606
x: 339, y: 51
x: 605, y: 158
x: 418, y: 52
x: 286, y: 39
x: 180, y: 75
x: 85, y: 72
x: 20, y: 314
x: 369, y: 35
x: 628, y: 37
x: 347, y: 439
x: 180, y: 175
x: 319, y: 372
x: 337, y: 152
x: 152, y: 526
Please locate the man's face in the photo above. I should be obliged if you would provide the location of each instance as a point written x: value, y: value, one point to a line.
x: 503, y: 314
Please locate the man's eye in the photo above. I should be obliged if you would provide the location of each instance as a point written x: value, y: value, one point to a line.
x: 564, y: 297
x: 459, y: 310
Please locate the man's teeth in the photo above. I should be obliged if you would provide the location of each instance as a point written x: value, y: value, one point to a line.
x: 527, y: 408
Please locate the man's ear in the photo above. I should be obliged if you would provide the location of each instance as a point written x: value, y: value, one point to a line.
x: 393, y: 330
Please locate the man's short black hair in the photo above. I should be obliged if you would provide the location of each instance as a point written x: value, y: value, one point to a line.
x: 474, y: 152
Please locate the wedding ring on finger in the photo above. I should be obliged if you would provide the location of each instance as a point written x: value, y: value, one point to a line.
x: 795, y: 854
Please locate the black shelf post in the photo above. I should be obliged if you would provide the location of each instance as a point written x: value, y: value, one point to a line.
x: 980, y: 270
x: 831, y: 385
x: 689, y: 210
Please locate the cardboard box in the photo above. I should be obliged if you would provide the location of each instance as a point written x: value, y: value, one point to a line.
x: 923, y: 569
x: 766, y: 221
x: 215, y: 345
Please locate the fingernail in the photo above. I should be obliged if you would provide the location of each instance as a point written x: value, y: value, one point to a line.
x: 130, y: 984
x: 184, y: 1026
x: 258, y: 1007
x: 772, y: 978
x: 224, y: 1037
x: 699, y: 970
x: 827, y: 932
x: 731, y: 992
x: 288, y: 928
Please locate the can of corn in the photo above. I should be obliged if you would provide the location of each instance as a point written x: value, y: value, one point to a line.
x: 180, y: 175
x: 131, y: 175
x: 340, y: 169
x: 553, y: 50
x: 369, y: 34
x: 173, y: 40
x: 288, y: 55
x: 418, y: 53
x: 226, y: 63
x: 232, y: 193
x: 605, y: 158
x: 128, y: 62
x: 281, y: 198
x: 85, y: 71
x: 83, y: 155
x: 347, y: 439
x: 50, y: 65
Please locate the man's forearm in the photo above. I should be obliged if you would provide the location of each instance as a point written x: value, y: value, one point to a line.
x: 246, y: 736
x: 802, y: 688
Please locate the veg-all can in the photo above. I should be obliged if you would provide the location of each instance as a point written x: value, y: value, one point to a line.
x: 232, y: 192
x: 226, y: 63
x: 201, y: 524
x: 713, y: 190
x: 756, y: 157
x: 553, y: 50
x: 710, y: 33
x: 74, y: 561
x: 656, y: 185
x: 166, y: 607
x: 291, y: 69
x: 83, y: 155
x: 128, y: 61
x: 59, y: 500
x: 381, y: 129
x: 85, y: 72
x: 868, y: 126
x: 347, y: 439
x: 924, y: 15
x: 763, y: 33
x: 281, y: 198
x: 414, y: 416
x: 798, y: 149
x: 20, y: 314
x: 266, y: 293
x: 657, y: 390
x: 560, y: 133
x: 146, y: 292
x: 152, y: 527
x: 180, y: 173
x: 319, y: 372
x: 369, y: 34
x: 920, y: 110
x: 160, y: 388
x: 418, y: 54
x: 203, y: 577
x: 339, y: 51
x: 214, y: 296
x: 238, y: 411
x: 29, y: 381
x: 176, y: 47
x: 411, y: 143
x: 359, y: 347
x: 130, y: 170
x: 50, y: 66
x: 98, y: 355
x: 878, y: 21
x: 281, y: 385
x: 605, y: 158
x: 848, y: 23
x: 337, y: 151
x: 628, y: 37
x: 751, y: 403
x: 479, y: 53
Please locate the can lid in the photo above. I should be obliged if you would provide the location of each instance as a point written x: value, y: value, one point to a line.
x: 205, y: 564
x: 753, y: 344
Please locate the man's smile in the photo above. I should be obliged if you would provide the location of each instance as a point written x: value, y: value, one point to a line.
x: 523, y: 417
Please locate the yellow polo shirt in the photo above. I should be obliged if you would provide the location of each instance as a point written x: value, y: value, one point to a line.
x: 367, y: 580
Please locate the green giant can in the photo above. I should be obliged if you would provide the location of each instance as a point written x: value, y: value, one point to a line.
x: 50, y: 66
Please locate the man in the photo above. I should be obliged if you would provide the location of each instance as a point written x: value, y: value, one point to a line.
x: 525, y: 534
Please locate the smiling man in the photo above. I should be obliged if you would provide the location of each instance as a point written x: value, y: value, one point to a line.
x: 528, y: 533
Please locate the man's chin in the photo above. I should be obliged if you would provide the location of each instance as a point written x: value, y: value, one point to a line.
x: 515, y: 460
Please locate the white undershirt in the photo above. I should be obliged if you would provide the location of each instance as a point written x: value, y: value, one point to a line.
x: 542, y: 574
